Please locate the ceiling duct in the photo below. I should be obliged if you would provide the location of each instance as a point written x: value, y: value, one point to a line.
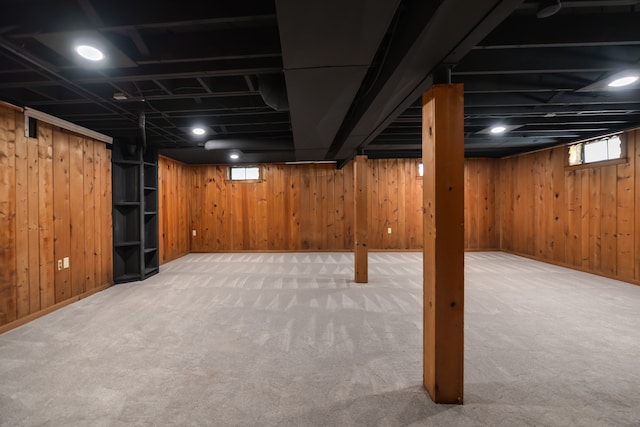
x: 273, y: 91
x: 248, y: 144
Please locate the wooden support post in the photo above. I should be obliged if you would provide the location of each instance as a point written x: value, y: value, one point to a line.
x: 443, y: 207
x: 361, y: 221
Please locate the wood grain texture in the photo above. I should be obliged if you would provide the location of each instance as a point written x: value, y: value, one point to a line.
x: 106, y: 218
x: 33, y: 224
x: 46, y: 206
x: 361, y: 207
x: 88, y: 151
x: 175, y: 208
x: 443, y: 253
x: 61, y: 213
x: 308, y: 207
x: 77, y: 214
x: 8, y: 290
x: 586, y: 218
x: 45, y: 216
x: 22, y: 218
x: 480, y: 212
x: 633, y: 138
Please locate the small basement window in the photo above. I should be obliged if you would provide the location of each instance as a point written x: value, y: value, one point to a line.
x: 244, y: 173
x: 599, y: 150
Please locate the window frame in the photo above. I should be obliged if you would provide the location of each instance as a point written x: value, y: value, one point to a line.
x: 624, y: 158
x: 230, y: 167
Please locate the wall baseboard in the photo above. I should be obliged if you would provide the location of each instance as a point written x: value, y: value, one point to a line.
x: 571, y: 267
x: 33, y: 316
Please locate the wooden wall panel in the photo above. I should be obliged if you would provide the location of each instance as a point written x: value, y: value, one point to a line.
x: 634, y: 139
x: 33, y: 224
x: 175, y: 208
x: 625, y: 218
x: 307, y: 207
x: 8, y: 291
x: 90, y: 281
x: 106, y: 224
x: 77, y: 214
x: 45, y: 216
x: 61, y: 214
x: 480, y: 204
x: 585, y: 218
x: 46, y: 191
x: 22, y: 219
x: 98, y: 164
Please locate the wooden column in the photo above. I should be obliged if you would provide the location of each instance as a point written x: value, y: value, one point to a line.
x: 361, y: 250
x: 443, y: 201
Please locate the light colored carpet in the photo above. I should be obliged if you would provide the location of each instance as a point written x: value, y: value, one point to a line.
x: 289, y: 339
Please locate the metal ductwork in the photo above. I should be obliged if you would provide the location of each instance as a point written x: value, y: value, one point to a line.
x: 273, y: 91
x: 249, y: 144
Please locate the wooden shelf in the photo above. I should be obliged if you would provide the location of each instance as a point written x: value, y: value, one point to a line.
x: 150, y: 250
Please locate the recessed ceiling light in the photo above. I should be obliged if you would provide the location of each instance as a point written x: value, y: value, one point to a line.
x: 89, y: 52
x: 498, y: 129
x: 623, y: 81
x: 234, y: 156
x: 197, y: 131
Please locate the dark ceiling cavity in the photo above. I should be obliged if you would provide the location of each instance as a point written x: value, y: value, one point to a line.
x: 290, y: 80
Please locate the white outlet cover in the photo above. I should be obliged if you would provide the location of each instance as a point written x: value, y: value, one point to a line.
x: 389, y: 230
x: 193, y: 232
x: 65, y: 262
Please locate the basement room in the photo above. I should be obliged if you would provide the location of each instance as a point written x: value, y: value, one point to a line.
x: 320, y: 213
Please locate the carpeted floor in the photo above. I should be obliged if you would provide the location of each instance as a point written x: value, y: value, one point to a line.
x: 289, y: 339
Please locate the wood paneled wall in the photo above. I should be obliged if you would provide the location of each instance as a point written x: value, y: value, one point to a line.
x: 395, y: 201
x: 294, y: 207
x: 307, y: 207
x: 586, y: 218
x: 175, y: 190
x: 481, y: 207
x: 55, y: 202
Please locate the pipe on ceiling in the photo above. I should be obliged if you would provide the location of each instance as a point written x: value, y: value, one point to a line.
x: 244, y: 144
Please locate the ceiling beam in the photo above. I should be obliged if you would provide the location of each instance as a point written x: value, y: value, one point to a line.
x: 141, y: 14
x: 223, y: 69
x: 568, y: 30
x: 556, y: 60
x: 426, y: 40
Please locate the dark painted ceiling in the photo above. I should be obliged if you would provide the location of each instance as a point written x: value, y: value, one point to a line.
x: 291, y: 80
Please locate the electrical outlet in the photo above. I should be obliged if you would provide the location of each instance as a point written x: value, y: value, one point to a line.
x: 389, y: 230
x: 59, y: 264
x: 193, y: 233
x: 65, y: 262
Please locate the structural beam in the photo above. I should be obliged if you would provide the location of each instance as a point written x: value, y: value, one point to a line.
x: 443, y: 201
x: 361, y: 221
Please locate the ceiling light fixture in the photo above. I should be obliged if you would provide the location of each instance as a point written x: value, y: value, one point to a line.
x: 498, y: 129
x: 234, y: 156
x: 197, y: 131
x: 623, y: 81
x: 89, y: 52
